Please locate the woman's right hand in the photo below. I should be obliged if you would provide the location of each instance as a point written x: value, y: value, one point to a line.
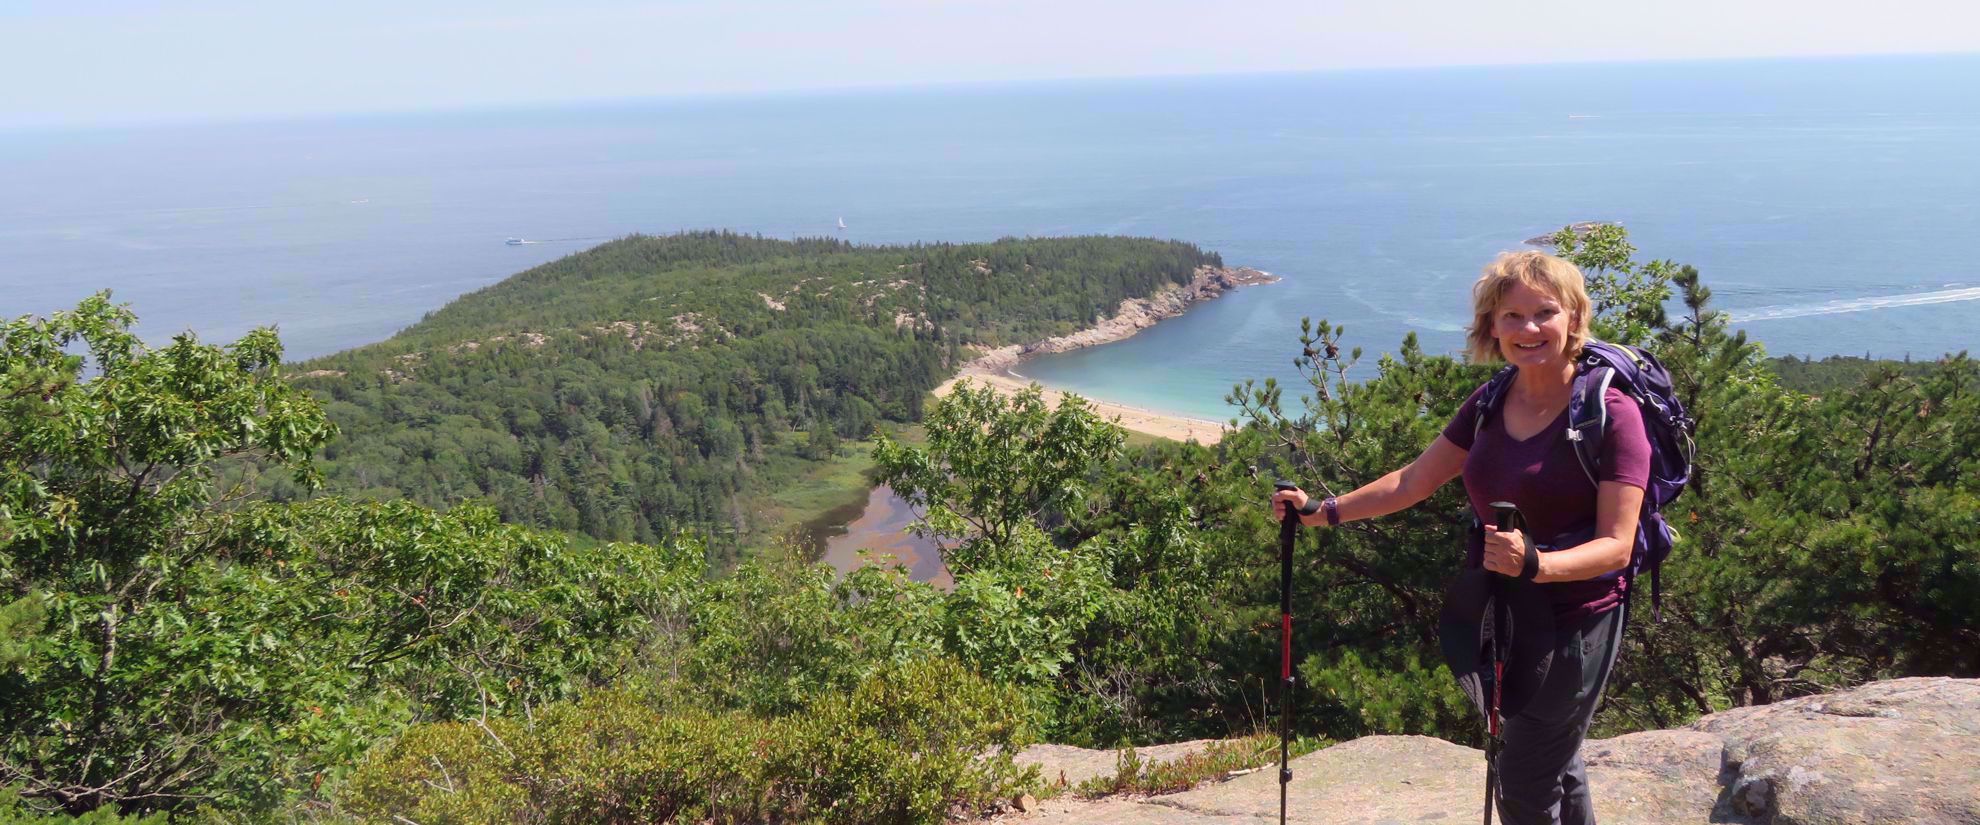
x: 1280, y: 498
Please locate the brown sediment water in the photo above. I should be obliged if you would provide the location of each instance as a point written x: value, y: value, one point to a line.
x: 877, y: 534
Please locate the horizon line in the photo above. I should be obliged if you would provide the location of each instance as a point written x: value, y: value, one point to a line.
x: 907, y: 87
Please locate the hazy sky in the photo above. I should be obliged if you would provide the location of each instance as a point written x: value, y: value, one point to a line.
x: 98, y: 61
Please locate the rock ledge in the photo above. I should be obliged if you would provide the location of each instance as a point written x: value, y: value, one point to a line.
x: 1905, y: 750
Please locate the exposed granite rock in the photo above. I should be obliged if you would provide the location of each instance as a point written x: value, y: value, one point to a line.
x: 1906, y: 750
x: 1658, y: 776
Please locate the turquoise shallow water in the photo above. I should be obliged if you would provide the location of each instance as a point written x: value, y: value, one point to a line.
x: 1829, y: 203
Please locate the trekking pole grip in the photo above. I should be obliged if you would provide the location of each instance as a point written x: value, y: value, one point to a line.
x: 1510, y: 518
x: 1508, y: 515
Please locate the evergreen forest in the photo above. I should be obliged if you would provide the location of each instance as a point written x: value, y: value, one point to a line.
x: 640, y: 388
x: 491, y: 570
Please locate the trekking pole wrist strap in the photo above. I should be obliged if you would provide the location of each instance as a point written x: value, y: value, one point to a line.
x: 1311, y: 506
x: 1531, y: 567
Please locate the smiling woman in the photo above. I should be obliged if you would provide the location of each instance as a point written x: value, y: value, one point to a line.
x: 1531, y: 310
x: 1528, y: 285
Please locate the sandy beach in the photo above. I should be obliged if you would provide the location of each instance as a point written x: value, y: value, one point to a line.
x: 1149, y: 422
x: 994, y: 368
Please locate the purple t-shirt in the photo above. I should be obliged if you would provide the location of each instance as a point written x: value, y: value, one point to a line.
x: 1544, y: 478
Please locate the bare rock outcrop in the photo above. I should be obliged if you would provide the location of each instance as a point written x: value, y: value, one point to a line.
x: 1906, y: 750
x: 1582, y: 229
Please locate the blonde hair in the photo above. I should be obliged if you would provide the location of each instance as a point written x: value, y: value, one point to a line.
x: 1540, y: 271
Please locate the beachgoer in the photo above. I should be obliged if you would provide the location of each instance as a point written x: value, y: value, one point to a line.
x: 1532, y: 310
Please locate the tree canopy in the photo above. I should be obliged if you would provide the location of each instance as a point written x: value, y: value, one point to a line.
x: 636, y: 389
x: 170, y: 642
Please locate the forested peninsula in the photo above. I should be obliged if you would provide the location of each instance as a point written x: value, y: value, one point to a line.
x: 647, y: 385
x: 390, y: 585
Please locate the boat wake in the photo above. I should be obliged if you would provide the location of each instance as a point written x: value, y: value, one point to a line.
x: 1775, y: 313
x: 522, y: 241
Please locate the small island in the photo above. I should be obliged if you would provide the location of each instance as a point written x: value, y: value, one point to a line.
x: 1582, y: 229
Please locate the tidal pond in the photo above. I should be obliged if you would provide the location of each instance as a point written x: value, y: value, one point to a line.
x: 875, y: 531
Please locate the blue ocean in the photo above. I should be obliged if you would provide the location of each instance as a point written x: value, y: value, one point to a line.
x: 1830, y: 204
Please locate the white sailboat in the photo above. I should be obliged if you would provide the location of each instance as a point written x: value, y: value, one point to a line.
x: 842, y: 224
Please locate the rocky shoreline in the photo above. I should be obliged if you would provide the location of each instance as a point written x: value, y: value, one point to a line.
x: 993, y: 368
x: 1133, y: 315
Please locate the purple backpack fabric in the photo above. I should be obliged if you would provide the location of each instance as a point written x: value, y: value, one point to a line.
x: 1639, y: 375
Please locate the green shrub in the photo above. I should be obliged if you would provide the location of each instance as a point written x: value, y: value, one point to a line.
x: 1400, y: 696
x: 446, y: 772
x: 907, y: 744
x: 611, y: 758
x: 769, y: 637
x: 1018, y: 617
x: 14, y: 812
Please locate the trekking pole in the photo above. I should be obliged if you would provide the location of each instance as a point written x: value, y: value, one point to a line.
x: 1288, y: 530
x: 1509, y: 519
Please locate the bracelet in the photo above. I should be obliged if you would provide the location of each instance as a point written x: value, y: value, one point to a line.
x: 1333, y: 506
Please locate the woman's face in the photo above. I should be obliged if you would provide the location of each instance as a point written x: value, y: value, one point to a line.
x: 1532, y: 327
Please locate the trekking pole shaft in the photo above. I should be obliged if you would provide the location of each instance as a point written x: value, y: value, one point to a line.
x: 1509, y: 518
x: 1288, y: 531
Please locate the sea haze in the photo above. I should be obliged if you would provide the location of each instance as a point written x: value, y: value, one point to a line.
x: 1829, y: 203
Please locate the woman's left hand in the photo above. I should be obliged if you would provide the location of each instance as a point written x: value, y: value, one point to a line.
x: 1505, y: 551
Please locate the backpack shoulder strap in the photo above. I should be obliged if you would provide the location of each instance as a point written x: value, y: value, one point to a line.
x: 1489, y: 400
x: 1588, y: 417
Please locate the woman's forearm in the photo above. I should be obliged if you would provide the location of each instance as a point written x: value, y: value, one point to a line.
x: 1603, y: 554
x: 1609, y: 550
x: 1401, y: 489
x: 1380, y: 497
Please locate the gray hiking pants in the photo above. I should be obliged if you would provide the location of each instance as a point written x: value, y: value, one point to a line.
x: 1541, y: 780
